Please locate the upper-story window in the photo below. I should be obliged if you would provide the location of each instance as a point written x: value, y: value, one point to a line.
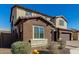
x: 38, y: 32
x: 14, y: 17
x: 29, y: 13
x: 61, y: 23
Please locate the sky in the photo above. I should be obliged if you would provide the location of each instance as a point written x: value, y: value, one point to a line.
x: 69, y: 11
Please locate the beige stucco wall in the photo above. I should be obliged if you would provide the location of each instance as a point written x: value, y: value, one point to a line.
x: 13, y: 14
x: 21, y: 12
x: 59, y: 26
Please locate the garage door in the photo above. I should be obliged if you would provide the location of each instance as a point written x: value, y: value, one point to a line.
x: 65, y: 36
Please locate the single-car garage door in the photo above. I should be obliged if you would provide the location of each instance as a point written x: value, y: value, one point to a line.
x: 65, y: 36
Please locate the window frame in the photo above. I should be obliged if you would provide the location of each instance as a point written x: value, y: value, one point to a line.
x: 61, y: 22
x: 29, y: 13
x: 39, y: 34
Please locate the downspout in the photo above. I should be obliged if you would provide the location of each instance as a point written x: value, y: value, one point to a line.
x: 58, y: 34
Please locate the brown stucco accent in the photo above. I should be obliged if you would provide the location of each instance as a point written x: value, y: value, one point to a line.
x: 28, y: 29
x: 37, y: 17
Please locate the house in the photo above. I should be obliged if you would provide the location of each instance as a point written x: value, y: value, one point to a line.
x: 32, y: 26
x: 37, y: 28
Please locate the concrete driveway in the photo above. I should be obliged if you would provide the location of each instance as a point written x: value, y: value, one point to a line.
x: 72, y: 44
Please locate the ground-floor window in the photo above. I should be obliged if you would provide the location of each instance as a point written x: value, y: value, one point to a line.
x: 38, y: 32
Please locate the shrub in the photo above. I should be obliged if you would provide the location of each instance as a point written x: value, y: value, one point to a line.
x: 62, y: 44
x: 21, y: 48
x: 53, y: 48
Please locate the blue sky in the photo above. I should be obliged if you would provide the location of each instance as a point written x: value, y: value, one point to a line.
x: 70, y: 11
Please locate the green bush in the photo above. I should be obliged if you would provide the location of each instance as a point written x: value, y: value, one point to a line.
x: 21, y: 48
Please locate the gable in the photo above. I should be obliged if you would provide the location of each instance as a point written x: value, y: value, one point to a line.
x: 60, y: 23
x: 30, y: 18
x: 62, y: 17
x: 26, y: 9
x: 21, y: 11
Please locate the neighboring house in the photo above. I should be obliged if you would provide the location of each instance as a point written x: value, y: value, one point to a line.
x: 75, y: 34
x: 37, y: 28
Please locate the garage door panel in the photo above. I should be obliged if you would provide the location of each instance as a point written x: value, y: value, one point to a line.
x: 65, y: 36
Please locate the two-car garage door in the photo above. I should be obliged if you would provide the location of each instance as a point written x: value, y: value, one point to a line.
x: 65, y: 36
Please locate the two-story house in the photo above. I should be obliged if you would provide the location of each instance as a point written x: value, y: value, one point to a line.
x: 32, y: 26
x: 37, y: 28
